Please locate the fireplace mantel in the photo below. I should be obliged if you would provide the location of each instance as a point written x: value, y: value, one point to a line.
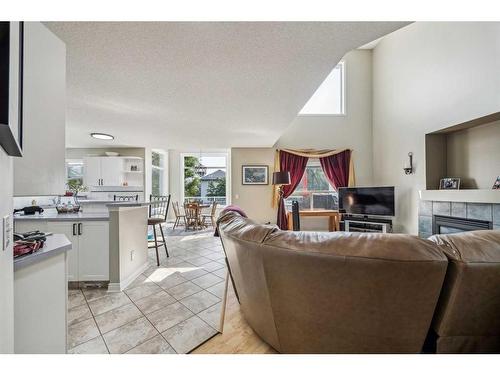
x: 466, y: 195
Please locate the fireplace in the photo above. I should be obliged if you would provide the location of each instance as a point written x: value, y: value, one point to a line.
x: 450, y: 224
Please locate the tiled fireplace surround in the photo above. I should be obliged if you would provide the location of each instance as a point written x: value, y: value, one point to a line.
x: 478, y: 211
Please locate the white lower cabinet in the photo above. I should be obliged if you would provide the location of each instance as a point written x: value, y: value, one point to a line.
x: 89, y: 258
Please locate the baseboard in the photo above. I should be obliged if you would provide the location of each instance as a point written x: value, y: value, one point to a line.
x: 118, y: 287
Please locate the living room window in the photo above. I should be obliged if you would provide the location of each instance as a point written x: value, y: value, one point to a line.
x: 205, y: 178
x: 329, y: 98
x: 314, y: 192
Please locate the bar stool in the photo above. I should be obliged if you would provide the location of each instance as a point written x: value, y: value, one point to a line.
x: 158, y: 210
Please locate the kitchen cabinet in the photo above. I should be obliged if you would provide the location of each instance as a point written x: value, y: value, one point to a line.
x: 93, y: 254
x: 103, y: 171
x: 89, y: 258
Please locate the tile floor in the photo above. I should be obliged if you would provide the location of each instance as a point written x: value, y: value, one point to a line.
x: 168, y: 309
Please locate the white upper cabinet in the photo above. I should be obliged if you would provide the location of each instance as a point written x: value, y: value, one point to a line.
x: 111, y: 171
x: 41, y: 170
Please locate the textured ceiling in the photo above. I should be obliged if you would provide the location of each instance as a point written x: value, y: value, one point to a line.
x: 198, y: 84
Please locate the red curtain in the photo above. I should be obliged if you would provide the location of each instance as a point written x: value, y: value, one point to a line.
x: 336, y: 168
x: 296, y: 165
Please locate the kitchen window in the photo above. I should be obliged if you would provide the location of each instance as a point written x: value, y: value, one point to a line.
x: 157, y: 173
x: 74, y: 171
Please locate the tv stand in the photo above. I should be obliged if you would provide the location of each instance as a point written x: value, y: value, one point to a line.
x: 363, y: 223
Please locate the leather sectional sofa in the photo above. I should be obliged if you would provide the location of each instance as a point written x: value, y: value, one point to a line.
x: 315, y: 292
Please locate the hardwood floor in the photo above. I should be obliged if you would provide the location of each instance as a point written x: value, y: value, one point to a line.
x: 238, y: 337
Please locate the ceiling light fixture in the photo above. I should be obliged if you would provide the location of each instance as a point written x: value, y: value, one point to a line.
x: 106, y: 137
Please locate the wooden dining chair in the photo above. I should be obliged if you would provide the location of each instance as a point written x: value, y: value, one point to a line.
x: 192, y: 211
x: 211, y: 215
x: 158, y: 210
x: 126, y: 198
x: 178, y: 215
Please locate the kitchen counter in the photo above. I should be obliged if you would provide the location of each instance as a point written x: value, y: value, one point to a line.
x: 52, y: 215
x: 55, y: 245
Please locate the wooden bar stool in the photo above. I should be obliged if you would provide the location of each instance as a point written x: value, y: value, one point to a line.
x: 158, y: 210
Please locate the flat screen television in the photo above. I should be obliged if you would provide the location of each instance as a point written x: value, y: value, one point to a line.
x: 367, y: 200
x: 11, y: 87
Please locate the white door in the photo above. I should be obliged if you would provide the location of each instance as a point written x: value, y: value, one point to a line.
x: 93, y: 260
x: 70, y: 230
x: 112, y: 171
x: 92, y: 171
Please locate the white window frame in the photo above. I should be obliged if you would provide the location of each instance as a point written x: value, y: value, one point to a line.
x: 161, y: 169
x: 207, y: 154
x: 343, y: 93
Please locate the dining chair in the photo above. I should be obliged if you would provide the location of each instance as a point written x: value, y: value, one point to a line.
x: 178, y: 214
x: 211, y: 215
x: 192, y: 211
x: 158, y: 210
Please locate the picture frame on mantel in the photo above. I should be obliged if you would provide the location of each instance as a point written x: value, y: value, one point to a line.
x: 449, y: 183
x: 496, y: 185
x: 255, y: 175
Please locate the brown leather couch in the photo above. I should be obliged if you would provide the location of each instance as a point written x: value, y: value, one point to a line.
x: 467, y: 319
x: 311, y: 292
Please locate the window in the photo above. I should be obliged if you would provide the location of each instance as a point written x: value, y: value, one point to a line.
x: 157, y: 173
x: 314, y: 191
x: 205, y: 178
x: 329, y: 98
x: 74, y: 171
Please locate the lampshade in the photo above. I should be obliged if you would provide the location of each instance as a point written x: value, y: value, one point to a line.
x: 281, y: 178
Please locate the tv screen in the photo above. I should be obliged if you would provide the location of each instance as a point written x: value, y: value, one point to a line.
x: 367, y: 200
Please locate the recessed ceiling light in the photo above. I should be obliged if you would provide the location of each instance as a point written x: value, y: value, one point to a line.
x: 106, y: 137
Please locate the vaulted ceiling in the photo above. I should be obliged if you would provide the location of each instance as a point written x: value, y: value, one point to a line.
x: 198, y: 84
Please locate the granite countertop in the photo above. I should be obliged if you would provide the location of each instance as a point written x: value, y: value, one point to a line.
x: 55, y: 244
x: 53, y: 215
x: 127, y: 204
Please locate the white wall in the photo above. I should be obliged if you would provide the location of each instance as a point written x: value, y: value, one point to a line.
x: 6, y: 263
x: 41, y: 169
x: 354, y: 130
x: 428, y: 76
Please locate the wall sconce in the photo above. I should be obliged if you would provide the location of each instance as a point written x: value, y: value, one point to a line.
x: 409, y: 169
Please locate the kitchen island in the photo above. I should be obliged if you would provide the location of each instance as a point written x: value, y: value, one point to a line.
x: 109, y: 241
x: 40, y: 298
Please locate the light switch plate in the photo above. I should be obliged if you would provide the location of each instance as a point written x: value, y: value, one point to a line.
x: 6, y: 232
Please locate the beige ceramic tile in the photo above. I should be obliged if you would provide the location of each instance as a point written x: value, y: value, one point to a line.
x: 142, y: 291
x: 207, y: 280
x: 212, y: 315
x: 76, y: 299
x: 171, y: 281
x: 154, y: 302
x: 199, y: 301
x: 115, y: 318
x: 94, y: 346
x: 217, y: 289
x: 169, y: 316
x: 188, y: 334
x: 129, y: 336
x: 94, y: 293
x: 109, y: 302
x: 81, y: 332
x: 156, y: 345
x: 184, y: 290
x: 78, y: 313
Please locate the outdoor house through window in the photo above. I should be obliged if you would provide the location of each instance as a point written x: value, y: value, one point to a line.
x: 205, y: 178
x: 74, y: 171
x: 157, y: 172
x: 329, y: 98
x: 314, y: 191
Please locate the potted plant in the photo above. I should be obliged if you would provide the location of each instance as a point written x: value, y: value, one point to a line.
x: 76, y: 186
